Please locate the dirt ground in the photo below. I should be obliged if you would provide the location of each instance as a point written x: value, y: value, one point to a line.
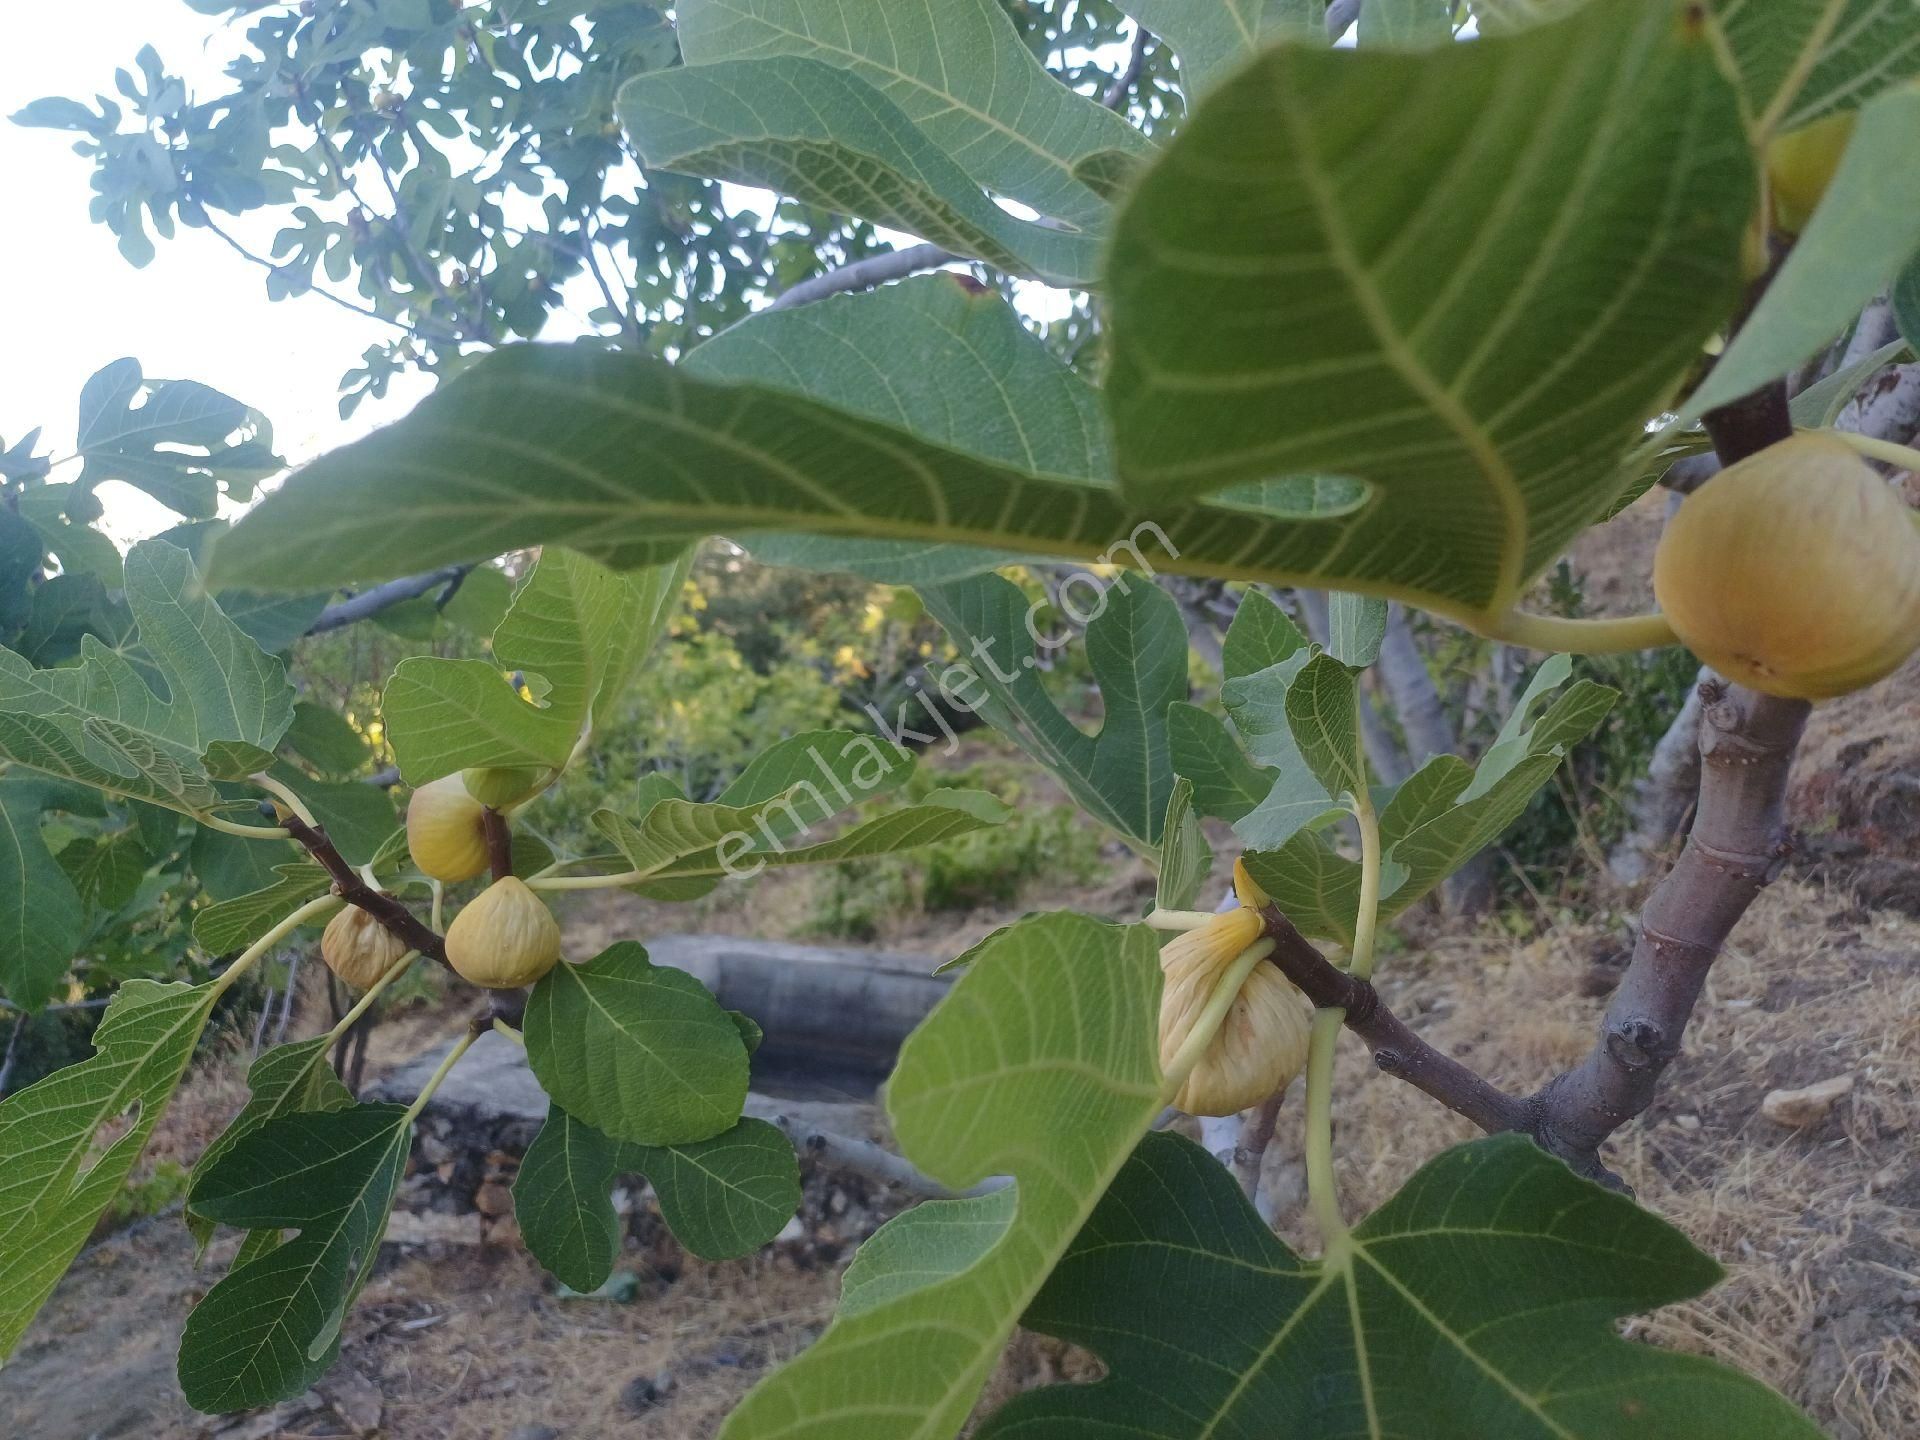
x: 1817, y: 1227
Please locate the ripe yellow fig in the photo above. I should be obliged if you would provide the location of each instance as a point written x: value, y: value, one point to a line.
x: 445, y: 832
x: 503, y: 785
x: 1262, y: 1043
x: 1800, y: 166
x: 506, y: 938
x: 1795, y: 572
x: 358, y: 948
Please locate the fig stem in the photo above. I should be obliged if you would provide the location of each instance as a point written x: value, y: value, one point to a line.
x: 1208, y: 1023
x: 587, y: 882
x: 365, y: 1002
x: 499, y: 843
x: 245, y: 832
x: 1322, y: 1194
x: 1178, y: 920
x: 460, y: 1048
x: 1582, y: 637
x: 284, y: 795
x: 312, y: 910
x: 1367, y: 918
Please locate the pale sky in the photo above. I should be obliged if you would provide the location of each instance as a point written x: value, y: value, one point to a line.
x: 198, y: 311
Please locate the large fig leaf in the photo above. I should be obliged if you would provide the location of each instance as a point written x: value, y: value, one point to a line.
x: 181, y: 444
x: 1137, y: 649
x: 1863, y: 234
x: 64, y: 1156
x: 1480, y: 1303
x: 935, y: 355
x: 640, y: 1051
x: 1432, y: 272
x: 628, y: 459
x: 826, y: 136
x: 1216, y: 37
x: 42, y: 913
x: 221, y: 701
x: 287, y: 1080
x: 1436, y: 820
x: 958, y: 70
x: 272, y: 1326
x: 722, y: 1197
x: 1797, y: 59
x: 1039, y: 1064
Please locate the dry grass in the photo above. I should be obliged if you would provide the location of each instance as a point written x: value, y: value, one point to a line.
x: 1817, y: 1228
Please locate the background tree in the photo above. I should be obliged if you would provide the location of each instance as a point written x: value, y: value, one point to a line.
x: 457, y: 171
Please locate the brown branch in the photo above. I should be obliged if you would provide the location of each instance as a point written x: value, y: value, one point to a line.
x: 499, y: 843
x: 348, y: 883
x: 1738, y: 843
x: 1396, y: 1049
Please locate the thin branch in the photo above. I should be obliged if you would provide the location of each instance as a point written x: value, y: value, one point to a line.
x: 13, y: 1044
x: 353, y: 889
x: 1250, y: 1145
x: 381, y: 597
x: 865, y: 274
x: 1396, y: 1049
x: 1123, y: 83
x: 207, y: 223
x: 1688, y: 474
x: 499, y: 843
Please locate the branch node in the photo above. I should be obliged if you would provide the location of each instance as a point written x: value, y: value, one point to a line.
x: 1637, y: 1043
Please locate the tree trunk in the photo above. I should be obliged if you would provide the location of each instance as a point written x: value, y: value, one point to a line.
x: 1663, y: 796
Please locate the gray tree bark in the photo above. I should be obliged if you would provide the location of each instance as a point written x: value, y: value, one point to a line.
x: 1662, y: 797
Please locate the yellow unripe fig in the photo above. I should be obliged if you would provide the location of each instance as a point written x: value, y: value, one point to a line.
x: 1262, y: 1043
x: 358, y: 948
x: 506, y: 938
x: 446, y: 834
x: 1795, y: 572
x: 1800, y: 166
x: 503, y: 785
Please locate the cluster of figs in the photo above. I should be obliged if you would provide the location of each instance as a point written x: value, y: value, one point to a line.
x: 504, y: 938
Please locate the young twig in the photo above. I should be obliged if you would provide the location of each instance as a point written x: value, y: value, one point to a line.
x: 353, y: 889
x: 1396, y: 1049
